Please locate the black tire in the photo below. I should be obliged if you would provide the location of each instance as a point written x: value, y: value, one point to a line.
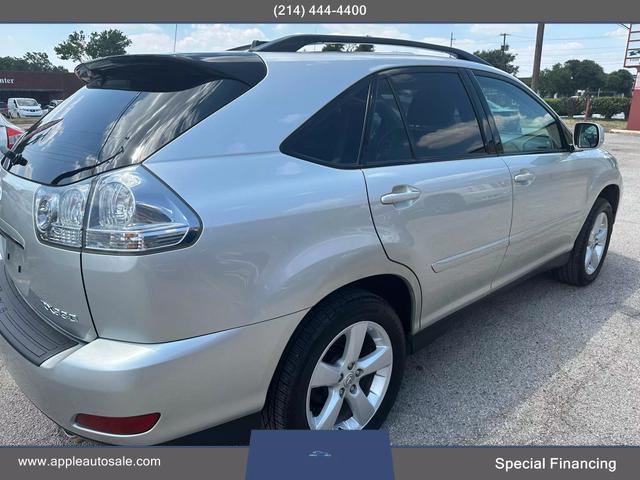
x: 286, y: 403
x: 574, y: 271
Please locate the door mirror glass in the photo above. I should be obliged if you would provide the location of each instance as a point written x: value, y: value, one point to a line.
x: 588, y: 135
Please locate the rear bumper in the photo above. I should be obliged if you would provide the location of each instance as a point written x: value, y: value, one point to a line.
x: 195, y: 383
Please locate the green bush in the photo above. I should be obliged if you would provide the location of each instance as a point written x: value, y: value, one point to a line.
x: 609, y: 106
x: 554, y: 103
x: 566, y: 107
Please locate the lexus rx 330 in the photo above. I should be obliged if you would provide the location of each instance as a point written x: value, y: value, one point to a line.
x: 190, y: 239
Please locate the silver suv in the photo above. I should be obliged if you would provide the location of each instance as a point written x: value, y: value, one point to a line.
x: 190, y: 239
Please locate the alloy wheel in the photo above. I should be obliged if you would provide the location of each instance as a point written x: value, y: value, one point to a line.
x: 596, y: 243
x: 350, y: 380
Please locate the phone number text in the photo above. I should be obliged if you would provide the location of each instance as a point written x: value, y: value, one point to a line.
x: 289, y: 10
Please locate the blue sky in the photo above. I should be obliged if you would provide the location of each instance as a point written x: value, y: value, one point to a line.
x: 603, y: 43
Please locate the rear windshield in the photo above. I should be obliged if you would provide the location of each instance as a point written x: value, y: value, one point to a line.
x: 99, y: 129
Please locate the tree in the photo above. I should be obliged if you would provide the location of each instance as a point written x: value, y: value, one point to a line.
x: 566, y: 79
x: 30, y: 62
x: 333, y: 47
x: 586, y: 74
x: 556, y: 80
x: 39, y: 61
x: 341, y: 47
x: 620, y: 81
x: 363, y: 47
x: 108, y: 42
x: 500, y: 58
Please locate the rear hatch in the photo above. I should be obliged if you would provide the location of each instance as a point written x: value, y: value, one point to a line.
x: 47, y: 278
x: 131, y: 107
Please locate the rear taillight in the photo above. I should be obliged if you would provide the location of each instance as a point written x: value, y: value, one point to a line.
x: 126, y: 211
x: 118, y: 425
x: 13, y: 134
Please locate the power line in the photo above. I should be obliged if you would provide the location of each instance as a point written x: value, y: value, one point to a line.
x: 599, y: 37
x: 599, y: 63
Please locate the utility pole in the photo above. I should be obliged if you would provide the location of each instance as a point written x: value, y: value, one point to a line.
x: 175, y: 38
x: 535, y: 76
x: 451, y: 41
x: 504, y: 40
x: 504, y: 49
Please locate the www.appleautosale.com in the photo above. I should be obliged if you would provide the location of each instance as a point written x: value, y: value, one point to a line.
x: 554, y: 463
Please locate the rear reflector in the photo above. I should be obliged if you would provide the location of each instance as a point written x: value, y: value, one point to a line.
x: 12, y: 136
x: 118, y: 425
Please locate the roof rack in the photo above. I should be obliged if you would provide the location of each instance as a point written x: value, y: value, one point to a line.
x: 293, y: 43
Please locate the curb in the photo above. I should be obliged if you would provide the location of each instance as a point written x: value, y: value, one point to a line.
x: 626, y: 132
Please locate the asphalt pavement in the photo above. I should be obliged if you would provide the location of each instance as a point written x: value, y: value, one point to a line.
x: 540, y: 363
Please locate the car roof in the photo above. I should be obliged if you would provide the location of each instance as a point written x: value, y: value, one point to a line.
x: 296, y: 86
x: 371, y: 61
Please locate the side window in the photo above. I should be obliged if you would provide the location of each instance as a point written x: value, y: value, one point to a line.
x: 523, y: 124
x: 333, y: 135
x: 387, y: 140
x: 439, y: 115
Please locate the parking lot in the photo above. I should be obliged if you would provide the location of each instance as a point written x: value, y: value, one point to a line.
x: 541, y: 363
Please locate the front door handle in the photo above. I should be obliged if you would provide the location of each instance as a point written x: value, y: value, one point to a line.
x: 525, y: 177
x: 400, y: 194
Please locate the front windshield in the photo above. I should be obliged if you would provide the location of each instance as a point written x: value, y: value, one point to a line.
x: 26, y: 102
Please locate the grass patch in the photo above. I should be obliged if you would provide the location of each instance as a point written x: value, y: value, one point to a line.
x: 23, y: 121
x: 607, y: 124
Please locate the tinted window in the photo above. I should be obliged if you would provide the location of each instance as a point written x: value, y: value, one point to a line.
x: 333, y: 135
x: 439, y: 115
x: 523, y: 124
x: 387, y: 140
x: 98, y: 129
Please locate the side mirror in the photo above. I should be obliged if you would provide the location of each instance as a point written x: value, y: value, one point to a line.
x: 588, y: 135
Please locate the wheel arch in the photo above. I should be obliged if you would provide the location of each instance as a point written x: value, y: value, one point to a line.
x: 611, y: 193
x: 403, y: 295
x: 394, y: 288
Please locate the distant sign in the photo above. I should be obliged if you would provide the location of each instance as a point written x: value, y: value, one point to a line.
x: 632, y: 55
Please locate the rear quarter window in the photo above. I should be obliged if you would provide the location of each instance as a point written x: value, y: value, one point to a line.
x: 333, y: 135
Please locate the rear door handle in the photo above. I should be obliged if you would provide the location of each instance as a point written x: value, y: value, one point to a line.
x: 400, y: 194
x: 525, y: 177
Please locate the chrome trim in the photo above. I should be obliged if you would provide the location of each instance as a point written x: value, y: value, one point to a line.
x: 460, y: 258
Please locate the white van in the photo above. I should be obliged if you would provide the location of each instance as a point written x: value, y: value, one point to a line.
x: 23, y: 108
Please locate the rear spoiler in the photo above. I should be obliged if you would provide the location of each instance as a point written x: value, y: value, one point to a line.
x: 166, y: 73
